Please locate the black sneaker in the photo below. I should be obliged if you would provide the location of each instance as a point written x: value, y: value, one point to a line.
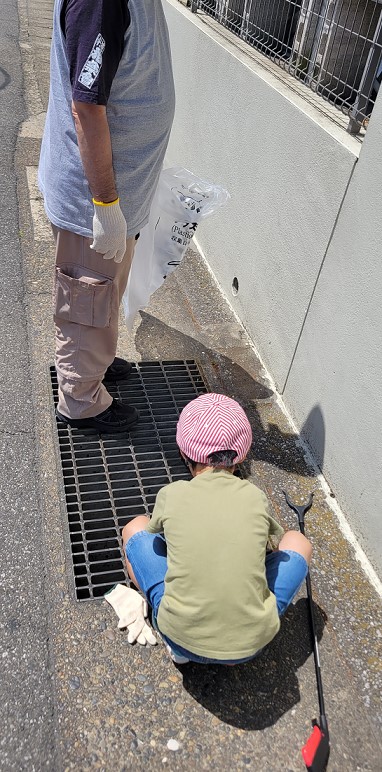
x: 116, y: 418
x: 119, y: 370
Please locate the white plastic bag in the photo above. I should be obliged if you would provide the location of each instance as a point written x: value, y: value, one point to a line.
x: 181, y: 201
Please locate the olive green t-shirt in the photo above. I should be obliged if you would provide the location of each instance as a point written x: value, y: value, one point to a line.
x: 216, y: 601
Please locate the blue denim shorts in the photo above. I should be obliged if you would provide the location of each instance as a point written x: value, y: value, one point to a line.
x: 285, y: 571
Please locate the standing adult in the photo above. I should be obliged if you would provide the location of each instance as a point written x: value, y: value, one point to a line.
x: 111, y: 106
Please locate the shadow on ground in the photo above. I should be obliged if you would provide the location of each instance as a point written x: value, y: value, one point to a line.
x: 256, y: 694
x: 157, y: 340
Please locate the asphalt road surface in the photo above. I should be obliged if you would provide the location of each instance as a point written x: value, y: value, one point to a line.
x: 25, y: 688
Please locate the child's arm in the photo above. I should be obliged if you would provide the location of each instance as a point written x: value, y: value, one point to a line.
x: 275, y: 529
x: 155, y: 524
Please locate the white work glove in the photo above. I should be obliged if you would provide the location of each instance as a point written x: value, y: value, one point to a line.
x: 131, y: 610
x: 109, y: 231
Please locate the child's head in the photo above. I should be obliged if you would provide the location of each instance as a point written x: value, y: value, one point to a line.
x: 213, y: 430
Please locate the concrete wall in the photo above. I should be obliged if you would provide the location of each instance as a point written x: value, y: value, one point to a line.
x: 302, y: 234
x: 338, y: 362
x: 236, y: 125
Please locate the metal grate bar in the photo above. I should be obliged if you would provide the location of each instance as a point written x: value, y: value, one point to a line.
x: 109, y: 479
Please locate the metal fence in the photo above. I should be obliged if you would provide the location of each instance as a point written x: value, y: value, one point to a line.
x: 334, y: 47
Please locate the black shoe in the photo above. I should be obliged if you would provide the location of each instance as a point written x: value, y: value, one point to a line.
x: 119, y: 370
x: 117, y: 418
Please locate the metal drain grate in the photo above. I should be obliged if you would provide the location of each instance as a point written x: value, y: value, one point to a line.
x: 110, y: 479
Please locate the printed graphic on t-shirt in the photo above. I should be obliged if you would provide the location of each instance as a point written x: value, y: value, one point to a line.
x: 93, y: 64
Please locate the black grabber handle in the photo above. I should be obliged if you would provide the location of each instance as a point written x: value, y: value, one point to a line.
x: 316, y: 750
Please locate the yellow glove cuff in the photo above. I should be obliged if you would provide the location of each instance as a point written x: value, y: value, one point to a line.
x: 102, y: 203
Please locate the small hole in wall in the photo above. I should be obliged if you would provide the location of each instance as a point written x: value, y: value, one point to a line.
x: 235, y: 286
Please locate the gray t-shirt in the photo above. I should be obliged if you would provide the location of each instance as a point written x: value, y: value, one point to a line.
x: 139, y: 104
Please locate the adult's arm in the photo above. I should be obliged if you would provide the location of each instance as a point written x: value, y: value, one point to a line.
x: 94, y: 33
x: 94, y: 144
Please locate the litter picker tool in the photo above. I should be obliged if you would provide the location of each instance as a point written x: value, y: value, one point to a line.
x: 316, y: 750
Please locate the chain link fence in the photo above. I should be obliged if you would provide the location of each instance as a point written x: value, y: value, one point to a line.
x: 334, y: 47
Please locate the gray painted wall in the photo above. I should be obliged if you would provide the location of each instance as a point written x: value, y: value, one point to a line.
x: 301, y: 234
x: 286, y: 175
x: 338, y: 363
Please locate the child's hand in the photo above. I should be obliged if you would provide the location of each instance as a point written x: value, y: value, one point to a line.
x: 146, y: 636
x: 131, y: 610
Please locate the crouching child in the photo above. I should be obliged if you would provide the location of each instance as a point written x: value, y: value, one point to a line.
x: 201, y: 560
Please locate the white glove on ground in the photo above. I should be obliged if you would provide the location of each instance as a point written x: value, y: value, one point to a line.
x: 131, y: 610
x: 109, y: 231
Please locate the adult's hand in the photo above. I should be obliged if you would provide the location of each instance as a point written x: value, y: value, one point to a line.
x: 109, y: 230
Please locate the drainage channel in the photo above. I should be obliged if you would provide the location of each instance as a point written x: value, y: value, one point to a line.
x: 109, y: 479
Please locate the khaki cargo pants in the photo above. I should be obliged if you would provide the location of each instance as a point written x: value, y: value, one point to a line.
x: 87, y: 295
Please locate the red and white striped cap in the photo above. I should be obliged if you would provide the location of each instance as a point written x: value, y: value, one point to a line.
x: 210, y: 423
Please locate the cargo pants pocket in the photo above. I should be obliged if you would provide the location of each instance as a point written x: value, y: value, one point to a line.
x: 83, y: 298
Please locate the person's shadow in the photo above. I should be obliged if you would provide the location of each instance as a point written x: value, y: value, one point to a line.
x: 5, y: 79
x: 256, y: 694
x: 156, y: 340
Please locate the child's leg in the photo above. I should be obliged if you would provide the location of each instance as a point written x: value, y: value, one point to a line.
x: 287, y: 567
x: 294, y: 540
x: 138, y: 524
x: 148, y: 552
x: 146, y: 559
